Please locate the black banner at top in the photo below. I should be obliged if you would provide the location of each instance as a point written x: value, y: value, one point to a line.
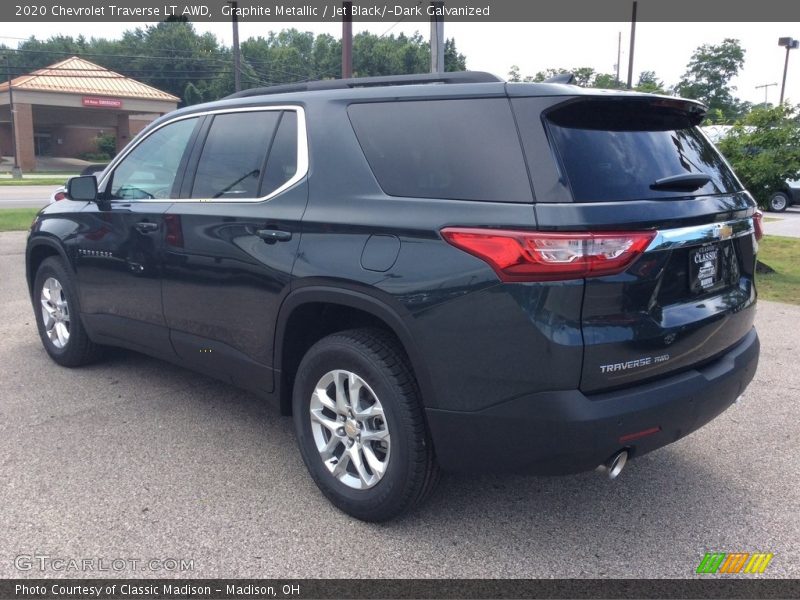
x: 469, y: 11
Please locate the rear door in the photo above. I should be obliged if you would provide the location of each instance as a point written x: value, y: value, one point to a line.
x: 231, y: 241
x: 640, y: 164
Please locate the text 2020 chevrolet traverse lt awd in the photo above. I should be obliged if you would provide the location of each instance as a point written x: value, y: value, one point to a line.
x: 425, y: 271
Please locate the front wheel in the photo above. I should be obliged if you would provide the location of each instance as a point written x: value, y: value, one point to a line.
x: 778, y: 202
x: 360, y: 426
x: 55, y: 302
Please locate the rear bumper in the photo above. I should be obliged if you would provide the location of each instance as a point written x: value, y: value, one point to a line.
x: 568, y: 432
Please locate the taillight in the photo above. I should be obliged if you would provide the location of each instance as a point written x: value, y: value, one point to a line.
x: 59, y: 196
x: 546, y: 256
x: 758, y: 224
x: 174, y: 235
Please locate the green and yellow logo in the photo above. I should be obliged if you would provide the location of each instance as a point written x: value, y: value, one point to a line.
x: 736, y: 562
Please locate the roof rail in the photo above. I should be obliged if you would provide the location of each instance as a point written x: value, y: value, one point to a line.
x: 343, y: 84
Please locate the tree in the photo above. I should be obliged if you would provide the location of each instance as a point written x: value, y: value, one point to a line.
x: 764, y: 149
x: 708, y: 77
x: 649, y: 83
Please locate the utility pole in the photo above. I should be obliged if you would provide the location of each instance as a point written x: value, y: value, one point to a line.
x: 766, y: 87
x: 347, y: 40
x: 16, y: 172
x: 237, y: 58
x: 633, y: 43
x: 619, y: 54
x: 789, y: 44
x: 437, y: 38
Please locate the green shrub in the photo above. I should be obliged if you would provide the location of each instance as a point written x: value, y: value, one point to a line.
x: 764, y: 149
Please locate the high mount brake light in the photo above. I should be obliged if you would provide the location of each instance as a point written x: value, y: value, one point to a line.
x: 548, y: 256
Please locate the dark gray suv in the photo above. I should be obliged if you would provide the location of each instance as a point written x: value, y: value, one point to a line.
x: 427, y: 272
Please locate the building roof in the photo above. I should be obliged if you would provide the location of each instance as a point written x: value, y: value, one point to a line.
x: 76, y: 75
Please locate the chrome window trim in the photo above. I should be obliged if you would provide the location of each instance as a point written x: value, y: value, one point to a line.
x: 302, y: 154
x: 670, y: 239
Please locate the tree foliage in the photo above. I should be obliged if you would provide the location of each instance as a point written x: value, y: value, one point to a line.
x: 195, y: 67
x: 708, y: 75
x: 764, y: 149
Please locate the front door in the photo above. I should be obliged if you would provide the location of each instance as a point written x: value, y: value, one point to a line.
x: 120, y: 241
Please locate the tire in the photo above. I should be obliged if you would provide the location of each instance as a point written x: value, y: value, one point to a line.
x: 779, y: 202
x: 69, y: 345
x: 371, y: 362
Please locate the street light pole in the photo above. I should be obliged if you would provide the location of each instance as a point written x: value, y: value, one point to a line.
x: 766, y: 87
x: 16, y: 172
x: 789, y: 44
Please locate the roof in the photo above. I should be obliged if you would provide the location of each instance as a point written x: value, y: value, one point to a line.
x: 76, y: 75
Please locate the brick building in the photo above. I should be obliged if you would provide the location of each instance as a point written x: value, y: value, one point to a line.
x: 62, y: 109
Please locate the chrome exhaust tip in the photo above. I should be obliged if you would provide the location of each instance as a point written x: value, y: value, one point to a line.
x: 614, y: 465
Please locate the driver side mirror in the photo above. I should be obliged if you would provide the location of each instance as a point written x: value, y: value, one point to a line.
x: 82, y: 188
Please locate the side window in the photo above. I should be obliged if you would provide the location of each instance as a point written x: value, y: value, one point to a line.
x: 282, y: 161
x: 455, y: 149
x: 232, y: 162
x: 149, y: 170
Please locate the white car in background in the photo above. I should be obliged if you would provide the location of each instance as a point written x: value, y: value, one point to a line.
x: 61, y: 192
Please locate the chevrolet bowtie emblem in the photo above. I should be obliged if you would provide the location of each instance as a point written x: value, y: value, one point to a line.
x: 723, y: 232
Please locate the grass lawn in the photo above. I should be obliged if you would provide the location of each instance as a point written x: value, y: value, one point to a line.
x: 783, y: 255
x: 16, y: 219
x: 51, y: 180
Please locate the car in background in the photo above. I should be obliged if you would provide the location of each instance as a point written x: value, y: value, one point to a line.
x: 61, y: 192
x: 788, y: 196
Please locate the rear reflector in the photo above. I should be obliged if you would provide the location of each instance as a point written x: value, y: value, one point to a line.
x: 546, y: 256
x: 639, y: 434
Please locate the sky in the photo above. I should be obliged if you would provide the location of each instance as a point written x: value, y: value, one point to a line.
x: 661, y: 47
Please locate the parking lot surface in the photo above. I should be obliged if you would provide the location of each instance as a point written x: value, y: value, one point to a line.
x: 134, y: 458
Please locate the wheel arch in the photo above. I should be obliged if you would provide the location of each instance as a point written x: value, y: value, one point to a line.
x: 39, y: 249
x: 366, y: 309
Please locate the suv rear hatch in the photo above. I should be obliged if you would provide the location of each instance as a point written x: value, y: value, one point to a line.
x: 633, y: 163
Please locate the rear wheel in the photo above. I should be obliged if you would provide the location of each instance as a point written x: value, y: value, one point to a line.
x: 778, y: 202
x: 360, y: 425
x: 58, y: 317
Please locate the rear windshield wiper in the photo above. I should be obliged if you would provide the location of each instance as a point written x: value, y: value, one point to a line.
x: 686, y: 182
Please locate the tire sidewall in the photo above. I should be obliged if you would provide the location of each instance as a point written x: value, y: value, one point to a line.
x: 784, y: 203
x: 331, y: 355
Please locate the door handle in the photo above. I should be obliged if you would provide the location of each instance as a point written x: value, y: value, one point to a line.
x: 146, y: 226
x: 274, y: 235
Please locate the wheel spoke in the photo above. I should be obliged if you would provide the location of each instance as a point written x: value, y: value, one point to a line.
x: 321, y: 396
x: 377, y: 435
x: 358, y: 463
x: 61, y: 333
x: 375, y: 410
x: 341, y: 466
x: 378, y: 467
x: 331, y: 425
x: 330, y: 447
x: 342, y: 405
x: 354, y: 392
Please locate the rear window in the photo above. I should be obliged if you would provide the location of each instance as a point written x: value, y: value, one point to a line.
x: 612, y: 150
x: 454, y: 149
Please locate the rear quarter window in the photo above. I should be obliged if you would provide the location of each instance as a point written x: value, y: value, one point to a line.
x: 452, y: 149
x: 615, y: 150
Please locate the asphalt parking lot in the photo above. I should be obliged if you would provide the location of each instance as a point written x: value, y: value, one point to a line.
x: 137, y: 459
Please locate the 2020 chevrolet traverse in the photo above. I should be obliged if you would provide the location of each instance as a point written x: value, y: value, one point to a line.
x: 442, y: 271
